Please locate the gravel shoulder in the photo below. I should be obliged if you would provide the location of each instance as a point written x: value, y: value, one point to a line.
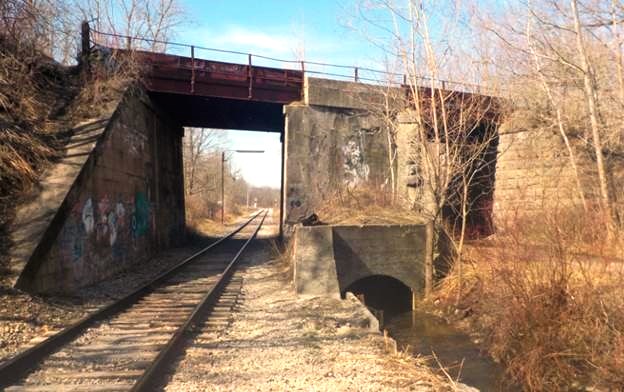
x: 277, y: 342
x: 27, y: 319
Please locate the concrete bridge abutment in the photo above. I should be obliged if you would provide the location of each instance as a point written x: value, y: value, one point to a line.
x: 116, y: 207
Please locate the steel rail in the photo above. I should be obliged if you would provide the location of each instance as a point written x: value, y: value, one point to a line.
x: 151, y: 378
x: 20, y: 365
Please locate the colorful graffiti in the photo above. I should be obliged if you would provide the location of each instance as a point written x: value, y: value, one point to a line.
x: 99, y: 229
x: 88, y: 219
x: 141, y: 218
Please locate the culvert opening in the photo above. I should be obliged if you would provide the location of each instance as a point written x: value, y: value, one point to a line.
x: 384, y: 293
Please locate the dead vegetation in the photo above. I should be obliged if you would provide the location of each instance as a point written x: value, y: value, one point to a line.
x: 34, y: 92
x: 364, y: 206
x: 42, y: 99
x: 562, y: 288
x: 40, y: 103
x: 546, y: 290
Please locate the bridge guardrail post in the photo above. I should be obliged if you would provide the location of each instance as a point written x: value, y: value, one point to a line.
x: 192, y: 69
x: 250, y: 76
x: 85, y: 50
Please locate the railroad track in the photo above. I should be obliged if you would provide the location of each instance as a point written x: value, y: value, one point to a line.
x: 128, y: 345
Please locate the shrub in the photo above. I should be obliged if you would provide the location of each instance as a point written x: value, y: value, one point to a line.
x: 548, y: 298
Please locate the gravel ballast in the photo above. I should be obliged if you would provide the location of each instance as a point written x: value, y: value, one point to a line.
x: 279, y: 342
x: 27, y: 319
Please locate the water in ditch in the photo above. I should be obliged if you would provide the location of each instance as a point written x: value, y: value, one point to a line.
x: 461, y: 358
x: 425, y: 333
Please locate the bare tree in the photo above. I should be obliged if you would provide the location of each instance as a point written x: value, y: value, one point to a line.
x: 199, y: 145
x: 589, y: 88
x: 44, y: 25
x: 571, y: 52
x: 445, y: 125
x: 145, y: 20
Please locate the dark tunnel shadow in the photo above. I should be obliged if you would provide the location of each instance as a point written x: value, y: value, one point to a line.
x: 382, y: 292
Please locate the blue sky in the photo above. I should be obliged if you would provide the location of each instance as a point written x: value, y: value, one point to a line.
x: 277, y: 29
x: 317, y: 30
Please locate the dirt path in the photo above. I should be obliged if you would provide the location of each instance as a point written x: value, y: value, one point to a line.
x: 280, y: 342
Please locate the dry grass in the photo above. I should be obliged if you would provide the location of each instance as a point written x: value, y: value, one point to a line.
x: 33, y: 90
x: 213, y: 227
x: 364, y: 206
x: 283, y: 253
x: 548, y: 298
x: 40, y: 101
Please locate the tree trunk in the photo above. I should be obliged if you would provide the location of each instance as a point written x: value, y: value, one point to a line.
x: 429, y: 230
x: 590, y: 94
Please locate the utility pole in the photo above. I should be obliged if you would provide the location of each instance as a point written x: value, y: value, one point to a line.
x: 223, y: 176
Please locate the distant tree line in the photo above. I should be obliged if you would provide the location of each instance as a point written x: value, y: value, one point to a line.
x: 203, y: 151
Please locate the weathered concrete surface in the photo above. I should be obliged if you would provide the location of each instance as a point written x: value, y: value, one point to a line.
x: 314, y: 265
x: 34, y: 216
x: 397, y: 251
x: 412, y: 192
x: 349, y: 95
x: 328, y: 151
x: 357, y: 252
x: 534, y: 174
x: 126, y: 203
x: 373, y: 322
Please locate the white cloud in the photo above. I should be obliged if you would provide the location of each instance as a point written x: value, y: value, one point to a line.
x: 260, y: 42
x: 282, y: 42
x: 278, y: 44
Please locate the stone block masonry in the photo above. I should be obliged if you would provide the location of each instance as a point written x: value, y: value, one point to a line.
x: 125, y: 205
x: 534, y: 174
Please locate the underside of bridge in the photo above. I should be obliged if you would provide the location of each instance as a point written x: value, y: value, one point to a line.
x: 221, y: 113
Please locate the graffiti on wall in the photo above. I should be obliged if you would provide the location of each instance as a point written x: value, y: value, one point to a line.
x: 297, y: 207
x: 356, y: 170
x: 135, y: 141
x: 88, y: 220
x: 141, y: 217
x: 104, y: 228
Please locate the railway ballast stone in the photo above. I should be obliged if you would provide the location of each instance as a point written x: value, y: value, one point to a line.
x: 278, y: 341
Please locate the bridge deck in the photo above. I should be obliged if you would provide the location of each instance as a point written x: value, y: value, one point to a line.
x: 168, y: 73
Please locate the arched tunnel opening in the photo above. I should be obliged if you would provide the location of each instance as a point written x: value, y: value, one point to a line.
x: 382, y: 292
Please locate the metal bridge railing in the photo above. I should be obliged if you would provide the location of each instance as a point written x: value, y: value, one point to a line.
x: 327, y: 70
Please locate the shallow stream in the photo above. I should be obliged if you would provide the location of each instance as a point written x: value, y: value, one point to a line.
x: 456, y: 352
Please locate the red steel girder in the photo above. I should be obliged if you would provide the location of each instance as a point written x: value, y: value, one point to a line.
x: 192, y: 76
